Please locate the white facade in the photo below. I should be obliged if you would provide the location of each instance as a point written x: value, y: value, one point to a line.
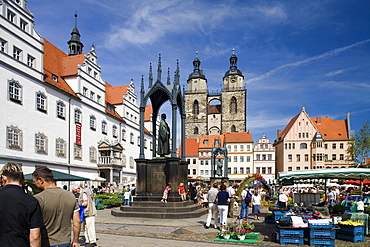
x: 43, y: 125
x: 264, y: 158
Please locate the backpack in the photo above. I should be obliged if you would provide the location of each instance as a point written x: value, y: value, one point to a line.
x: 248, y: 197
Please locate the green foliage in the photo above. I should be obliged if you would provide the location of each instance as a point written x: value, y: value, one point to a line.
x: 359, y: 146
x: 108, y: 195
x: 111, y: 201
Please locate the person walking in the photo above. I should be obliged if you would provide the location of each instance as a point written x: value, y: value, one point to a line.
x: 58, y: 208
x: 20, y: 213
x: 246, y: 200
x: 223, y: 200
x: 166, y: 192
x: 212, y: 207
x: 256, y: 204
x: 90, y: 212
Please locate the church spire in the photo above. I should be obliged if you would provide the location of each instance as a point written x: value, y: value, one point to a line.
x: 74, y: 44
x: 197, y: 72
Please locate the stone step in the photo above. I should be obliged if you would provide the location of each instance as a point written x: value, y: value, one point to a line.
x: 161, y: 204
x: 162, y: 209
x: 160, y: 215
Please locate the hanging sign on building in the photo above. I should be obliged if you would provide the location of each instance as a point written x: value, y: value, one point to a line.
x: 78, y: 134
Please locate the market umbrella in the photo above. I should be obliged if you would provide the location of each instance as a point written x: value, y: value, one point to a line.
x: 61, y: 176
x: 354, y: 182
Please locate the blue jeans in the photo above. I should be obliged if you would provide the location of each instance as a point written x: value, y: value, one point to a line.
x: 244, y: 210
x: 62, y: 245
x: 127, y: 202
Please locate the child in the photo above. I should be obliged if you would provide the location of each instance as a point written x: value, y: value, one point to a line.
x: 165, y: 193
x: 182, y: 193
x: 127, y: 197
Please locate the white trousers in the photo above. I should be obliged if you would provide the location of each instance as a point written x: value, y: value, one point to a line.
x: 212, y: 212
x: 90, y: 234
x: 222, y: 210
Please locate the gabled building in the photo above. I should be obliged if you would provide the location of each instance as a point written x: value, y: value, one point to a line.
x: 57, y: 110
x: 313, y: 143
x: 264, y: 158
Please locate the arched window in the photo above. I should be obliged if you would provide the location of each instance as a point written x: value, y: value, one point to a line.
x: 303, y: 145
x: 196, y: 107
x: 233, y: 105
x: 233, y: 128
x: 196, y: 131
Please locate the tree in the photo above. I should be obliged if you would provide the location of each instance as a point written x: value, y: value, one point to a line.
x: 359, y: 146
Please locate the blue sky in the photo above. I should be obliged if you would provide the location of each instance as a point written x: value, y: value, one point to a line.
x: 293, y: 54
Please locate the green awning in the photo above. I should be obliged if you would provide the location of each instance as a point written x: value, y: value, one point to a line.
x: 336, y: 173
x: 61, y: 176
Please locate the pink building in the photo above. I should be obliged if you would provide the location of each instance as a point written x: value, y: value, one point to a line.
x: 312, y: 143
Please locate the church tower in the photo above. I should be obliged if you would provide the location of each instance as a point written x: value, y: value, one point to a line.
x: 234, y: 97
x: 196, y: 102
x: 74, y: 44
x: 205, y: 118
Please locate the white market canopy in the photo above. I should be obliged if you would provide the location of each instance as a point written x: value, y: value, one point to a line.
x: 336, y: 173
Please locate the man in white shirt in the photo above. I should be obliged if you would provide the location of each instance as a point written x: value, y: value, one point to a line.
x: 283, y: 199
x: 212, y: 207
x: 231, y: 191
x: 245, y: 204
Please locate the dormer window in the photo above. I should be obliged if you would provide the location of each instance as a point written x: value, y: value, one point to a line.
x: 11, y: 16
x: 54, y: 77
x: 23, y: 25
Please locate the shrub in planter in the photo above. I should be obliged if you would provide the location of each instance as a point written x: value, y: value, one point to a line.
x: 111, y: 202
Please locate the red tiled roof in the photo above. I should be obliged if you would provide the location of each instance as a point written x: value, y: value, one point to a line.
x: 331, y: 129
x: 147, y: 131
x: 211, y: 141
x: 69, y: 64
x: 238, y: 137
x: 114, y: 95
x: 289, y: 126
x: 148, y: 113
x: 191, y: 147
x: 52, y: 66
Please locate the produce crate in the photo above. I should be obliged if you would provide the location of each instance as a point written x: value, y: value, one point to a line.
x: 324, y: 233
x: 291, y: 233
x: 291, y: 241
x: 352, y: 238
x: 353, y: 230
x: 320, y: 225
x: 321, y: 242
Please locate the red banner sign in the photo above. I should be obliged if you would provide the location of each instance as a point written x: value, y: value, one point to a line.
x: 78, y: 134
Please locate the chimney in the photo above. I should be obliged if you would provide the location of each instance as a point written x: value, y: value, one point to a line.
x: 319, y: 120
x: 278, y: 133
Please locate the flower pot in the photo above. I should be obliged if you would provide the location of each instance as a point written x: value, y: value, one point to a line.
x: 241, y: 237
x: 226, y: 236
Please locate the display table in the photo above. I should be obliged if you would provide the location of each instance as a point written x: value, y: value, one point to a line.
x: 364, y: 218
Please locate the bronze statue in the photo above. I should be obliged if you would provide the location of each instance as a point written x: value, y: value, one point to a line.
x: 219, y: 168
x: 163, y: 137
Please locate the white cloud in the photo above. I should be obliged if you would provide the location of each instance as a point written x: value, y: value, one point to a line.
x: 337, y: 72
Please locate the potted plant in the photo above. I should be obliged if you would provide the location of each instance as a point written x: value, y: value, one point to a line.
x: 240, y: 233
x: 225, y: 232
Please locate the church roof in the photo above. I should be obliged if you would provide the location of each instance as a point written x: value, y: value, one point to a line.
x: 233, y: 68
x: 214, y: 109
x: 115, y: 94
x: 197, y: 72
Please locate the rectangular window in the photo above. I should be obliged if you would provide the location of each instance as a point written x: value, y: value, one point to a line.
x: 334, y: 146
x: 298, y: 157
x: 341, y: 157
x: 84, y: 91
x: 229, y: 148
x: 98, y: 98
x: 201, y: 172
x: 241, y: 158
x: 341, y: 145
x: 306, y: 135
x: 306, y: 167
x: 248, y: 158
x: 235, y: 148
x: 258, y: 170
x: 3, y: 45
x: 41, y: 143
x: 60, y: 109
x: 334, y: 157
x: 17, y: 53
x: 241, y: 147
x: 269, y: 170
x: 263, y: 156
x: 11, y: 16
x: 248, y: 148
x: 194, y: 161
x: 269, y: 157
x: 194, y: 172
x: 15, y: 90
x: 92, y: 154
x: 77, y: 152
x: 206, y: 172
x: 23, y: 25
x: 206, y: 162
x: 241, y: 170
x: 60, y: 148
x: 306, y: 157
x: 41, y: 101
x: 235, y: 170
x: 235, y: 158
x: 188, y: 160
x: 188, y: 171
x: 263, y: 170
x: 290, y: 169
x: 326, y: 146
x: 202, y: 162
x: 229, y: 158
x: 248, y: 170
x: 258, y: 157
x: 290, y: 157
x: 14, y: 138
x: 30, y: 61
x: 92, y: 95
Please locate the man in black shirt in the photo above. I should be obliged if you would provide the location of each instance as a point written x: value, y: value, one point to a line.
x: 20, y: 213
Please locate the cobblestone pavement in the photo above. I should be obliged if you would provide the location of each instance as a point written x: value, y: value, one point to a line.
x: 128, y: 231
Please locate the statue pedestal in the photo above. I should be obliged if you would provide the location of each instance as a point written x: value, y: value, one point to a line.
x: 218, y: 180
x: 153, y: 176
